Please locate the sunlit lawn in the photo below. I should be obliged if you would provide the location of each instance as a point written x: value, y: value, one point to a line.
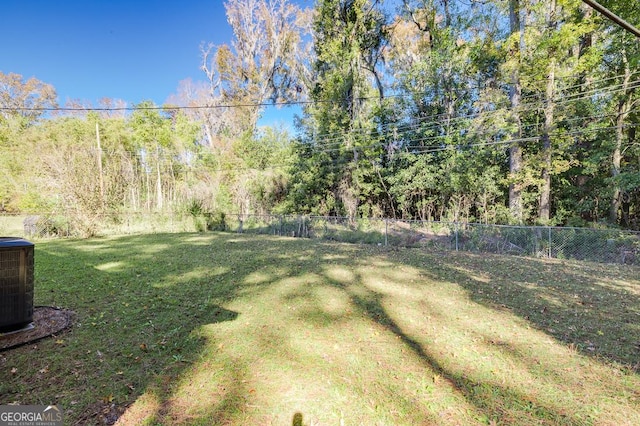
x: 232, y: 329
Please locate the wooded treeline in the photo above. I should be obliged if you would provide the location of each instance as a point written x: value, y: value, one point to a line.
x: 495, y: 111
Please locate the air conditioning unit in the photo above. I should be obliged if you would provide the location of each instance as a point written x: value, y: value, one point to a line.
x: 16, y: 283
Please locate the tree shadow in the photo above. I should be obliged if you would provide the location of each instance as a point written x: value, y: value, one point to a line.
x: 142, y: 295
x: 505, y: 402
x: 492, y: 400
x: 594, y: 308
x: 130, y: 326
x: 297, y: 420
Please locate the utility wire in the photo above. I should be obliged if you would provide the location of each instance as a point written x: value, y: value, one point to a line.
x: 437, y: 120
x: 409, y: 137
x: 191, y: 107
x: 245, y: 105
x: 399, y: 132
x: 415, y: 150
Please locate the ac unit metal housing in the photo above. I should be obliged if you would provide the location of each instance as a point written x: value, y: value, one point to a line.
x: 16, y: 283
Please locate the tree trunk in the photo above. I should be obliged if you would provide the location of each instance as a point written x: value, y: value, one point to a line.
x: 159, y: 203
x: 544, y: 212
x: 515, y: 151
x: 624, y: 106
x: 148, y: 191
x: 99, y: 162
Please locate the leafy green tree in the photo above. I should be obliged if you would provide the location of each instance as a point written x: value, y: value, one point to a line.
x: 622, y: 60
x: 341, y: 141
x: 22, y: 103
x: 153, y: 140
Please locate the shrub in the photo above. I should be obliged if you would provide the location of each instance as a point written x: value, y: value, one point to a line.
x: 216, y: 221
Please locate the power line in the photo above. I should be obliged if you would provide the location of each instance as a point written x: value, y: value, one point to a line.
x: 435, y: 120
x: 190, y: 107
x: 409, y: 136
x: 399, y: 132
x: 412, y: 149
x: 248, y: 104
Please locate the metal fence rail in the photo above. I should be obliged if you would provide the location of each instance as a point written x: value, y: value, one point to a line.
x: 596, y: 245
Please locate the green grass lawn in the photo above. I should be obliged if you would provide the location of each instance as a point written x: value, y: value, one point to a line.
x: 232, y: 329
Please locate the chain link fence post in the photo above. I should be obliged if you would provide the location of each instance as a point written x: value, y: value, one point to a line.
x: 386, y: 232
x: 455, y: 228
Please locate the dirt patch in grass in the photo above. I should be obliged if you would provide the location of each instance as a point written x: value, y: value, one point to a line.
x: 47, y: 321
x: 100, y: 413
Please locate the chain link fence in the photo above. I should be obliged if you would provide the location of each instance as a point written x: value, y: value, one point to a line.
x: 56, y: 225
x: 596, y: 245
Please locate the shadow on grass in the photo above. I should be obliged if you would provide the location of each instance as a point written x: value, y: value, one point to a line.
x: 297, y: 420
x: 492, y: 400
x: 594, y: 308
x: 139, y: 300
x: 137, y: 307
x: 570, y: 302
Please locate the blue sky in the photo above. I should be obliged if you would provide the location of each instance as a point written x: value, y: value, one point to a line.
x: 126, y: 49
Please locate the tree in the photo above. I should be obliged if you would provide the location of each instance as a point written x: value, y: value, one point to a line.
x: 548, y: 59
x: 156, y: 138
x: 341, y: 141
x: 21, y: 104
x: 516, y: 45
x: 26, y: 99
x: 622, y: 59
x: 262, y: 62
